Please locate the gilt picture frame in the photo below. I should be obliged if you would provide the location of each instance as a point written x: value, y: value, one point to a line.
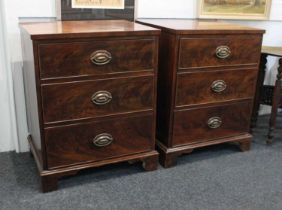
x: 235, y: 9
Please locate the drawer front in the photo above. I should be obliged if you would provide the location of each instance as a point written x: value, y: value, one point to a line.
x: 215, y: 86
x: 219, y: 51
x: 205, y: 124
x: 88, y: 99
x: 96, y: 57
x: 75, y: 144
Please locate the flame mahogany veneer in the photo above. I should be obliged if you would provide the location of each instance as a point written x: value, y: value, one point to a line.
x: 90, y: 95
x: 206, y: 84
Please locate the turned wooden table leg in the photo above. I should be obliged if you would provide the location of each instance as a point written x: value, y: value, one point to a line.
x: 275, y: 103
x: 259, y: 87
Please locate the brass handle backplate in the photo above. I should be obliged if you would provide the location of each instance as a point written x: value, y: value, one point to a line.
x: 103, y: 140
x: 218, y: 86
x: 102, y: 97
x: 214, y: 122
x: 101, y: 57
x: 223, y: 52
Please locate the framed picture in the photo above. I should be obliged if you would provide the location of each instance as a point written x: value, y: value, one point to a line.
x: 235, y: 9
x: 98, y: 4
x: 95, y: 9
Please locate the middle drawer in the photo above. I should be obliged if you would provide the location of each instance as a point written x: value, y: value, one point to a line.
x: 89, y: 99
x: 215, y: 86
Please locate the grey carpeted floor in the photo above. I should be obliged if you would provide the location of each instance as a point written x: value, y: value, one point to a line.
x: 218, y: 177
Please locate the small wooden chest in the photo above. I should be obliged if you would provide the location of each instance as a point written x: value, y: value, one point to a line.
x: 207, y: 78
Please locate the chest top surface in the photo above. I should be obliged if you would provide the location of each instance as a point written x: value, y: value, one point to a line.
x: 85, y: 29
x: 185, y: 26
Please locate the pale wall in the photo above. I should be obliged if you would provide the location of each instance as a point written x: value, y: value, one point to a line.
x: 6, y: 140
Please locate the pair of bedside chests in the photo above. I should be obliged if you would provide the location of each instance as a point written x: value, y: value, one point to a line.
x: 103, y: 92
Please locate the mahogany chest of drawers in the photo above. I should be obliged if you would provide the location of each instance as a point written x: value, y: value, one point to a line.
x: 207, y: 78
x: 90, y: 94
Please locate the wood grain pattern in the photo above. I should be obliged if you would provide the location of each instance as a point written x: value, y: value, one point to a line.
x: 32, y: 98
x: 198, y: 27
x: 73, y: 59
x: 201, y: 52
x: 169, y: 155
x: 190, y: 126
x: 166, y: 85
x: 50, y: 178
x: 72, y: 101
x: 63, y: 30
x: 195, y: 88
x: 70, y: 145
x: 61, y: 82
x: 190, y: 62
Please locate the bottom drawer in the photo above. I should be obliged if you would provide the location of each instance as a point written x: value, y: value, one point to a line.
x: 95, y: 141
x: 205, y: 124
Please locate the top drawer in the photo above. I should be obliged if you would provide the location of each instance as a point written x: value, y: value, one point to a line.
x: 219, y: 51
x: 95, y: 57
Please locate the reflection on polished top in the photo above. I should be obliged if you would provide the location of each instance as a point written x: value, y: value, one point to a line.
x: 84, y: 29
x: 185, y: 26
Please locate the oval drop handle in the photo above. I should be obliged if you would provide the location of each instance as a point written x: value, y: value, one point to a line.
x: 102, y: 97
x: 101, y: 57
x: 214, y: 122
x: 223, y: 52
x: 103, y: 140
x: 218, y: 86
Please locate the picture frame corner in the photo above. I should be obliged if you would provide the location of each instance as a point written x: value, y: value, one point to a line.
x: 235, y: 16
